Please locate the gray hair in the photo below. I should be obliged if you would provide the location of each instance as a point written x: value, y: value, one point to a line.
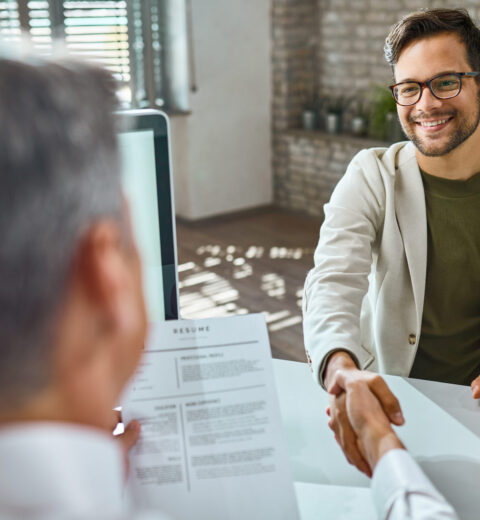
x: 59, y: 172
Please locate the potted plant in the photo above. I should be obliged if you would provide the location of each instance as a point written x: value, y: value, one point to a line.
x: 384, y: 124
x: 310, y: 113
x: 334, y: 114
x: 361, y: 116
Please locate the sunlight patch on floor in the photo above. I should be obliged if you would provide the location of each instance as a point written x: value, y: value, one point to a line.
x: 289, y: 322
x: 206, y: 293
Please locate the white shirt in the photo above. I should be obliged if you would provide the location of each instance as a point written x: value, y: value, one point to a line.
x: 401, y: 491
x: 61, y: 471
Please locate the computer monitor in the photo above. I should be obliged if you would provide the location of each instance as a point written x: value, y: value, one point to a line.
x: 147, y: 183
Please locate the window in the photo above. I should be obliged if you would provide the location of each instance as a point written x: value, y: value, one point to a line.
x: 9, y: 20
x: 97, y: 30
x: 125, y: 36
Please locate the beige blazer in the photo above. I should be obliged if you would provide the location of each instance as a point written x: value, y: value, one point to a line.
x: 365, y: 294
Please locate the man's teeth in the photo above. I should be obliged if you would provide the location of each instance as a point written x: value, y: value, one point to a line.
x: 433, y: 123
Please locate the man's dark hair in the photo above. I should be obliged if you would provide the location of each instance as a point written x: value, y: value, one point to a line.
x: 429, y: 22
x: 59, y: 172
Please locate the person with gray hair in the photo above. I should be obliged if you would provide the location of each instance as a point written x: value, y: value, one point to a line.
x: 72, y: 311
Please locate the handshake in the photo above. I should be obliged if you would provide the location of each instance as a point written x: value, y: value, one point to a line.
x: 362, y: 410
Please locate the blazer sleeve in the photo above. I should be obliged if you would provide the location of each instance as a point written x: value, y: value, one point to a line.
x: 338, y: 282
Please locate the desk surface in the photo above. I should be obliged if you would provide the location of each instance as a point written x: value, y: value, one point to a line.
x: 442, y: 432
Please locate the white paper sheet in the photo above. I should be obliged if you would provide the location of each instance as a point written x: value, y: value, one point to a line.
x: 212, y: 444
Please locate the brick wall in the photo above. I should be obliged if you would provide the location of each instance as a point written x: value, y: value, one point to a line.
x: 295, y: 25
x: 312, y: 164
x: 294, y: 59
x: 326, y: 46
x: 351, y: 36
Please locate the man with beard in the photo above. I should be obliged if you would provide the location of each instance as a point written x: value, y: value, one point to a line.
x: 397, y: 268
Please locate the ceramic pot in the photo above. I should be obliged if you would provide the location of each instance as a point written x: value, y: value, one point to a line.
x: 359, y: 126
x: 309, y: 120
x: 333, y: 123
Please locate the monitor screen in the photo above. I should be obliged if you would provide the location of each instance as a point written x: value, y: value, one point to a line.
x: 147, y: 186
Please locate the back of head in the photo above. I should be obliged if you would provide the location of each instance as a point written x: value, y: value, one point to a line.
x: 59, y: 172
x: 430, y: 22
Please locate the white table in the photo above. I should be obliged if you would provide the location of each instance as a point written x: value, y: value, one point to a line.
x: 442, y: 432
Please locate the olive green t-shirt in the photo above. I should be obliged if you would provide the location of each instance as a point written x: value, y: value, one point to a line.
x: 449, y: 347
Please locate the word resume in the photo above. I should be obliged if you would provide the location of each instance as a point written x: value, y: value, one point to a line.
x: 211, y: 444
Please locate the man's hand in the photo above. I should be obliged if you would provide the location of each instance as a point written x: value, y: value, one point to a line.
x: 368, y: 419
x: 128, y: 438
x: 476, y: 388
x: 339, y: 421
x: 345, y: 435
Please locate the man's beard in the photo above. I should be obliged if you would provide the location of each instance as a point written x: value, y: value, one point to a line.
x: 465, y: 130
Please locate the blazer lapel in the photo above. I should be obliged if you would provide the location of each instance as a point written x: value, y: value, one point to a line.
x: 412, y: 221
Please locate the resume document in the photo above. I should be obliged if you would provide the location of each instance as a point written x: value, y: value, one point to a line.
x: 211, y: 444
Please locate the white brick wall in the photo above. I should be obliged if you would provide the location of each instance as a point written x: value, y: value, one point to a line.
x: 353, y: 32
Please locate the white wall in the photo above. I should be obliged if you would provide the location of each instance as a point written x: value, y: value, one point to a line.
x: 221, y: 152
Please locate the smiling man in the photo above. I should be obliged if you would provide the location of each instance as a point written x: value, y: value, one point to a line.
x: 397, y: 268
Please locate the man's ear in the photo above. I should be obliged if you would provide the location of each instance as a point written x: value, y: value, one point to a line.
x: 102, y: 322
x: 101, y: 270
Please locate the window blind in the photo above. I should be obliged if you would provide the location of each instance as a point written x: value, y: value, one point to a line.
x: 39, y: 24
x: 9, y: 20
x: 98, y: 31
x: 128, y: 37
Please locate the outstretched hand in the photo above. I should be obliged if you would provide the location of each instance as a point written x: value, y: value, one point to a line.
x: 344, y: 433
x: 476, y: 388
x: 361, y: 410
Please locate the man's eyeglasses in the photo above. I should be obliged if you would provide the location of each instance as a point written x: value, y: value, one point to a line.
x: 443, y: 86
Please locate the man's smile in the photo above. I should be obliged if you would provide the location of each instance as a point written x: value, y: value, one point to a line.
x: 431, y: 125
